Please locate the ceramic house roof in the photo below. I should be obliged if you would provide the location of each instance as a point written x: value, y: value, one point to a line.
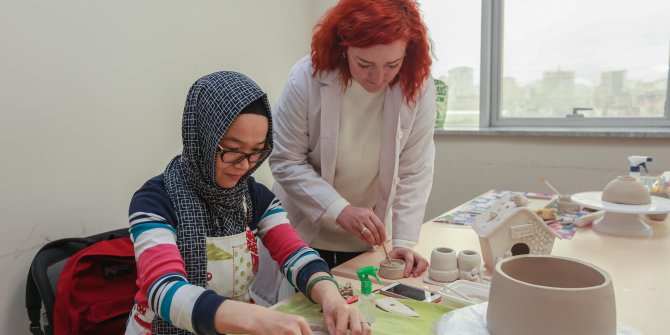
x: 485, y: 226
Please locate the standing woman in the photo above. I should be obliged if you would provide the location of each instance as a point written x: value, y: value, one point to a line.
x: 353, y: 131
x: 194, y: 227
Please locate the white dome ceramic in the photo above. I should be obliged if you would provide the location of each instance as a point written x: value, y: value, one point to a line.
x: 549, y: 295
x: 626, y: 190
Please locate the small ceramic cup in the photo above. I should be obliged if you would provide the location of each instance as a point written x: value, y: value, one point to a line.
x: 659, y: 217
x: 443, y: 259
x: 394, y: 270
x: 443, y: 265
x: 565, y: 204
x: 469, y: 264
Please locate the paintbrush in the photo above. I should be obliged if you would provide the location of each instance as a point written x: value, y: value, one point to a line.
x: 388, y: 260
x: 550, y: 186
x: 386, y: 253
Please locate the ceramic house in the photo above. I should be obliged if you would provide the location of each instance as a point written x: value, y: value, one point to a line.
x: 508, y: 229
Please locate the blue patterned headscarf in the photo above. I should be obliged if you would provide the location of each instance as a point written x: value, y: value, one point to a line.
x: 203, y: 207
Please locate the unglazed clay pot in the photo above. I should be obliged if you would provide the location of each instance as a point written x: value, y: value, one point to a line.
x: 549, y: 295
x: 469, y: 264
x: 443, y: 259
x: 626, y: 190
x: 443, y: 265
x: 565, y: 204
x: 394, y: 270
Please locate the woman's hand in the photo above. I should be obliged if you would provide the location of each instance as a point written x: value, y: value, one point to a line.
x: 415, y: 264
x: 243, y: 318
x: 338, y: 316
x: 362, y: 223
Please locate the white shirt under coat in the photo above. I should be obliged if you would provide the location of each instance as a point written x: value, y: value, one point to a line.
x: 356, y: 166
x: 306, y: 123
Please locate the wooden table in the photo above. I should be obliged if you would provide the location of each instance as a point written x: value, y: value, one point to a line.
x: 639, y: 267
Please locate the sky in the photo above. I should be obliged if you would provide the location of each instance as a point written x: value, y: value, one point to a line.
x: 586, y: 36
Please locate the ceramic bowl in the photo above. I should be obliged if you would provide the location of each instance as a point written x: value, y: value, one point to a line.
x: 566, y: 204
x: 626, y: 190
x: 657, y: 217
x: 394, y: 270
x: 549, y: 295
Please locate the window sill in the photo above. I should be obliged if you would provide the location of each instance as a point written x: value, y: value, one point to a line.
x: 659, y: 132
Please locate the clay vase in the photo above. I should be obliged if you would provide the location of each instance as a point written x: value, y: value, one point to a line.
x: 469, y: 265
x: 626, y: 190
x: 443, y: 265
x: 394, y: 270
x: 549, y: 295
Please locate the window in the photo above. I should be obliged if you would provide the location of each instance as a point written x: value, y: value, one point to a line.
x: 553, y: 62
x: 454, y: 28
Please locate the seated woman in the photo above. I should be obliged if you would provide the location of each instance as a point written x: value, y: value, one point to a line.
x: 194, y: 227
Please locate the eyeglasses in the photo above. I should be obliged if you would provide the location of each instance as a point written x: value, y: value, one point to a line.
x: 234, y: 156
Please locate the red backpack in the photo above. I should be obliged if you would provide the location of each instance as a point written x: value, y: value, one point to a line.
x: 94, y: 292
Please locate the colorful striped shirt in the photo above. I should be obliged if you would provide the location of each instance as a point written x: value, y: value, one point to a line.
x: 164, y: 290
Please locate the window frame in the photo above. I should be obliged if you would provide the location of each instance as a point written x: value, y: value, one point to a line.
x: 492, y: 44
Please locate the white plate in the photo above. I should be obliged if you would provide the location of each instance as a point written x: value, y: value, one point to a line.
x: 594, y: 200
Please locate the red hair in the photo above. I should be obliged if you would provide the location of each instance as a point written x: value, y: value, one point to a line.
x: 364, y: 23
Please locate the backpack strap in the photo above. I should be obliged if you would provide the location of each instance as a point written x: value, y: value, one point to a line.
x: 33, y: 305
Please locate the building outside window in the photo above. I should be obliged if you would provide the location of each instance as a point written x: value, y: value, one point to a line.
x: 595, y: 63
x: 455, y: 28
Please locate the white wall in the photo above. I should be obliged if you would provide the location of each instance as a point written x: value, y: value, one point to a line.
x: 466, y: 166
x: 91, y: 96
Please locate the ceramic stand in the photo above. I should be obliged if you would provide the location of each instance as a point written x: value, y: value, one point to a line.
x: 622, y: 219
x: 623, y: 224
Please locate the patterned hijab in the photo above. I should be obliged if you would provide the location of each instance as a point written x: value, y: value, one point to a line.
x: 203, y: 208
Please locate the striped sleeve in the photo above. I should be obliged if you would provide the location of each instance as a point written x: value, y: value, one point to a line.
x: 297, y: 261
x: 163, y: 287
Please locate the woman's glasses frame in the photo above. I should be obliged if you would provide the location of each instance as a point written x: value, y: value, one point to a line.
x: 235, y: 156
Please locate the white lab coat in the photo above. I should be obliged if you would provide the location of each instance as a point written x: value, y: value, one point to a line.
x: 306, y: 120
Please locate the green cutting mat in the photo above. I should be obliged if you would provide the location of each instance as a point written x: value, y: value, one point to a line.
x: 386, y: 323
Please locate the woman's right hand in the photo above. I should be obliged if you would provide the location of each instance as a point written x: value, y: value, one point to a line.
x: 362, y: 223
x: 243, y: 318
